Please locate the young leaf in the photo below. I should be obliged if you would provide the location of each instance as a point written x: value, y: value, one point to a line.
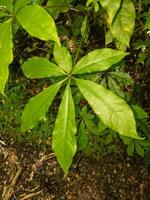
x: 7, y: 4
x: 6, y: 45
x: 37, y: 22
x: 111, y: 109
x: 64, y: 141
x: 20, y: 4
x: 37, y: 67
x: 3, y: 76
x: 37, y: 107
x: 123, y: 25
x: 111, y: 6
x: 98, y: 60
x: 63, y: 58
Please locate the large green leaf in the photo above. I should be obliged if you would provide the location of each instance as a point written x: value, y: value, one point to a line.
x: 123, y: 25
x: 8, y: 4
x: 37, y: 67
x: 63, y: 58
x: 64, y: 140
x: 21, y: 3
x: 37, y: 107
x: 6, y: 45
x: 3, y: 76
x: 111, y: 109
x: 37, y: 22
x: 98, y: 60
x: 6, y: 53
x: 111, y: 6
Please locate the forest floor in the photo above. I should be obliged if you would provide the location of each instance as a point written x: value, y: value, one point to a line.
x: 27, y: 172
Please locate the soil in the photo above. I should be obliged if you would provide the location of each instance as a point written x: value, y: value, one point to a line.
x: 31, y: 172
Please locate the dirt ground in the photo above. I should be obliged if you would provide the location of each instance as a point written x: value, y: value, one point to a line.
x: 28, y: 172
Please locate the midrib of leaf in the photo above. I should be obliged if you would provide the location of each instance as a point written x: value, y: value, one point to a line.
x: 66, y: 120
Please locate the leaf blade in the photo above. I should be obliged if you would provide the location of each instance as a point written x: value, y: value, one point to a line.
x: 8, y: 4
x: 64, y: 141
x: 112, y: 6
x: 123, y: 26
x: 63, y: 58
x: 6, y: 53
x: 39, y: 23
x: 4, y: 72
x: 37, y: 107
x: 112, y: 110
x: 37, y: 67
x: 6, y: 45
x: 98, y: 60
x: 21, y: 3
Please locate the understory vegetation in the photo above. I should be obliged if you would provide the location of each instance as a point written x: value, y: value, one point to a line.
x: 75, y: 75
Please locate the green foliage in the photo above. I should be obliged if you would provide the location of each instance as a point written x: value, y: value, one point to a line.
x: 38, y: 24
x: 8, y: 4
x: 111, y: 109
x: 90, y: 71
x: 40, y: 68
x: 37, y: 107
x: 55, y: 7
x: 121, y: 21
x: 64, y: 140
x: 98, y: 60
x: 6, y: 54
x: 59, y: 54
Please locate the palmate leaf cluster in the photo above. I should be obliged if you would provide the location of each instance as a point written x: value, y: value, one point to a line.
x: 111, y: 109
x: 38, y: 21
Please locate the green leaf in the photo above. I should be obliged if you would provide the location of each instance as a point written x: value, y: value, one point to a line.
x: 85, y: 28
x: 115, y: 88
x: 37, y: 107
x: 20, y: 4
x: 6, y: 45
x: 111, y: 109
x: 112, y: 7
x: 139, y: 112
x: 130, y: 148
x: 139, y: 149
x: 3, y: 76
x: 38, y: 23
x: 101, y: 127
x: 123, y: 25
x: 63, y: 58
x: 2, y: 13
x: 108, y: 139
x: 8, y: 4
x: 147, y: 16
x: 98, y: 60
x: 122, y: 77
x: 109, y: 37
x: 64, y: 140
x: 6, y: 53
x: 37, y: 67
